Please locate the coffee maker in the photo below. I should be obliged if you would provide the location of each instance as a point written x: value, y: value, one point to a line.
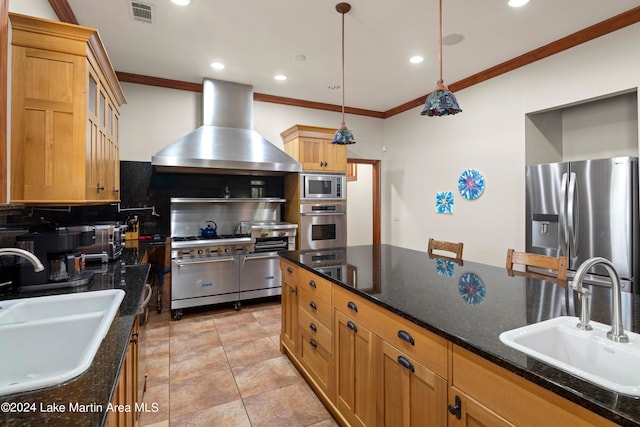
x: 56, y: 250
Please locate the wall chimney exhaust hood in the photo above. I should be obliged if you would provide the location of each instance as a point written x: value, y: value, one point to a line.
x: 226, y: 142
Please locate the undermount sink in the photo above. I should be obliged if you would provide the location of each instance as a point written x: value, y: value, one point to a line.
x: 585, y: 354
x: 45, y: 341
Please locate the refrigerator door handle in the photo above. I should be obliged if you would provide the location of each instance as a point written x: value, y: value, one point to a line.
x: 562, y: 217
x: 572, y: 215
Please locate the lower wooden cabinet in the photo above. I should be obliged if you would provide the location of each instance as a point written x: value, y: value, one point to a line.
x: 354, y: 353
x: 467, y: 412
x: 411, y: 394
x: 126, y: 393
x: 289, y: 329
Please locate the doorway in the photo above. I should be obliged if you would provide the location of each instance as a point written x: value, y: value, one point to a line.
x: 363, y: 208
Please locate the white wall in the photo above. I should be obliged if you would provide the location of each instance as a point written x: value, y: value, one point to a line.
x: 359, y: 212
x: 426, y: 155
x: 39, y: 8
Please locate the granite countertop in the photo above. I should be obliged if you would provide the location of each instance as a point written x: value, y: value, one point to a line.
x: 471, y: 304
x: 83, y: 400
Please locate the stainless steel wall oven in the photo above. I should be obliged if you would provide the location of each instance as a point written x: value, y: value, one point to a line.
x: 323, y: 226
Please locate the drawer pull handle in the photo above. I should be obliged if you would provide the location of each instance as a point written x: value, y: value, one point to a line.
x: 405, y: 363
x: 312, y: 283
x: 313, y: 327
x: 457, y: 408
x: 313, y: 305
x: 289, y: 270
x: 352, y: 305
x: 313, y: 343
x: 352, y: 326
x: 404, y: 335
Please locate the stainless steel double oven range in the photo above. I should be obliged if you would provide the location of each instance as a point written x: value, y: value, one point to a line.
x: 226, y: 250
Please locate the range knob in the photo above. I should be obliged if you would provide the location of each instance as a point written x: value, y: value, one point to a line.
x: 180, y: 254
x: 219, y: 250
x: 227, y: 250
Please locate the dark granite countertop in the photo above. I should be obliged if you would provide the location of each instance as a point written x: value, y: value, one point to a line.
x: 471, y: 304
x: 85, y: 398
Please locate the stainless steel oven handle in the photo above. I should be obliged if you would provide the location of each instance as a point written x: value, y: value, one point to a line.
x: 185, y: 264
x: 322, y: 213
x: 250, y: 257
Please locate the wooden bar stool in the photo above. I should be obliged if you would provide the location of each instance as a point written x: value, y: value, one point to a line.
x: 559, y: 265
x: 441, y: 245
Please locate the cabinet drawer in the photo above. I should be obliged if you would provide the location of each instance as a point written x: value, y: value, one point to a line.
x: 318, y: 308
x: 416, y: 342
x: 315, y: 329
x: 317, y: 360
x: 317, y: 286
x: 289, y: 272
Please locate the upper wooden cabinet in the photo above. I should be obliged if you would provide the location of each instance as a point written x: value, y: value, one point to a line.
x: 311, y: 146
x: 65, y: 113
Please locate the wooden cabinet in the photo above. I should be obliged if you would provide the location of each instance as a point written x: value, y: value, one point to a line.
x: 289, y: 327
x: 354, y: 353
x: 126, y: 393
x: 315, y: 330
x: 65, y: 101
x: 490, y: 395
x: 312, y: 147
x: 411, y: 394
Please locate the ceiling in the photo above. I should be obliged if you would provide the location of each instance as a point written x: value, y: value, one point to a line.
x: 257, y: 39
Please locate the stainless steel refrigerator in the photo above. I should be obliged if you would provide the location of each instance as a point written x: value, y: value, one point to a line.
x: 585, y: 209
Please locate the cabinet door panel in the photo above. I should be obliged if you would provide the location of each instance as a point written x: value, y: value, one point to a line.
x: 413, y: 395
x: 355, y: 396
x: 474, y: 414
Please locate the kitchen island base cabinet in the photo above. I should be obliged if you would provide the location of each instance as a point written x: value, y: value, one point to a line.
x: 125, y: 395
x: 496, y: 396
x: 289, y: 328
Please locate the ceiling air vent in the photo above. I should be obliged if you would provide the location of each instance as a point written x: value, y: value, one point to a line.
x: 141, y: 11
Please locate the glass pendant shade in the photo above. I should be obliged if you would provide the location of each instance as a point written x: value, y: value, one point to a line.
x: 440, y: 102
x: 343, y: 136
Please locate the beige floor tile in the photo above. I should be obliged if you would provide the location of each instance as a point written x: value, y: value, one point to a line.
x: 267, y: 375
x: 291, y: 406
x: 201, y: 392
x: 326, y: 423
x: 233, y: 318
x: 231, y: 414
x: 249, y: 353
x: 190, y: 325
x: 156, y: 397
x: 187, y: 365
x: 234, y: 333
x: 157, y: 347
x: 157, y: 370
x: 197, y: 341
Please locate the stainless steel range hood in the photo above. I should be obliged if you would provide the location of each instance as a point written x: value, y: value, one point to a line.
x: 226, y: 142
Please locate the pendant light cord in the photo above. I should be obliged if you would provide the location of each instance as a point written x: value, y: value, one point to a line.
x: 440, y: 81
x: 343, y: 68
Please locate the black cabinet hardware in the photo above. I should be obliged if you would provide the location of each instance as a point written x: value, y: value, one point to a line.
x: 352, y: 326
x: 313, y: 327
x: 289, y: 270
x: 313, y: 305
x: 352, y: 305
x: 313, y: 343
x: 404, y: 335
x: 312, y: 283
x: 406, y: 363
x: 457, y: 408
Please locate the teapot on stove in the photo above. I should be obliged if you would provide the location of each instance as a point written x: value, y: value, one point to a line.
x: 210, y: 231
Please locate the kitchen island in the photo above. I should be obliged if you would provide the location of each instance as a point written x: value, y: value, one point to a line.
x: 463, y: 308
x: 84, y: 400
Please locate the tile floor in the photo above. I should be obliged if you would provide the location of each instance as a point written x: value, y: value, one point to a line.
x: 220, y: 367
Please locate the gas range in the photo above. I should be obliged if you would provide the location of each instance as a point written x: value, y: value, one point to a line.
x: 199, y: 247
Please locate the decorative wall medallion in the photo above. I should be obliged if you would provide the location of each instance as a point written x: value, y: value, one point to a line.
x: 444, y: 202
x: 445, y: 267
x: 471, y: 288
x: 471, y: 184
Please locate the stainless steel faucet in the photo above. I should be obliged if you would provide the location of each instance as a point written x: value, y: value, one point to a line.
x: 37, y: 265
x: 617, y: 331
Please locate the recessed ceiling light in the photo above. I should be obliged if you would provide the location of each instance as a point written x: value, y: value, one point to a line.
x: 217, y: 65
x: 300, y: 57
x: 416, y: 59
x: 451, y: 39
x: 181, y: 2
x: 517, y: 3
x: 280, y: 77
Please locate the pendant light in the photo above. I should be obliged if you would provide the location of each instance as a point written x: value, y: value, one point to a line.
x: 343, y: 135
x: 440, y: 102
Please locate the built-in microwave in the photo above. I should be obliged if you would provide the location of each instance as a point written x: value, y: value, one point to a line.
x: 323, y: 187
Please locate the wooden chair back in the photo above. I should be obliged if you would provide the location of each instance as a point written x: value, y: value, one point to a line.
x: 559, y: 265
x: 441, y: 245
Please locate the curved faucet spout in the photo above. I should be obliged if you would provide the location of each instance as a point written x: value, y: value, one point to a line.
x: 617, y: 331
x: 37, y: 265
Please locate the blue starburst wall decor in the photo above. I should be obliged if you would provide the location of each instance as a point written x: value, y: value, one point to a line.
x: 445, y: 267
x: 472, y: 289
x: 444, y: 202
x: 471, y: 184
